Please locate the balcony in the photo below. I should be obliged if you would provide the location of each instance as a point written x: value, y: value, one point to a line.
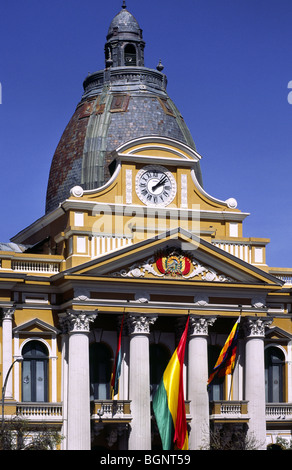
x: 279, y: 412
x: 229, y: 411
x: 111, y: 411
x: 40, y: 412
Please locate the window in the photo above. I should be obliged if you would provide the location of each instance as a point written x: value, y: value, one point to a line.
x: 130, y: 55
x: 274, y: 374
x: 159, y: 358
x: 100, y: 358
x: 216, y: 386
x: 35, y: 372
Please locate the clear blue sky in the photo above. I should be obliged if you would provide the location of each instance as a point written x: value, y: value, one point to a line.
x: 228, y: 64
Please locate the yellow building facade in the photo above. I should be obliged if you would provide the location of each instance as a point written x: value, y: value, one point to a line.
x: 149, y: 245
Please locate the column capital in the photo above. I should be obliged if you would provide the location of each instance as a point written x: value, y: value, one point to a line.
x: 8, y: 313
x: 74, y: 321
x: 198, y: 326
x: 140, y: 324
x: 255, y: 327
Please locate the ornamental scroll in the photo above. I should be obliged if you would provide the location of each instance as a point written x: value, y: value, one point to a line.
x: 173, y: 263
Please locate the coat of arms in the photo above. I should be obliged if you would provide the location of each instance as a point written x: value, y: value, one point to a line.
x: 173, y: 264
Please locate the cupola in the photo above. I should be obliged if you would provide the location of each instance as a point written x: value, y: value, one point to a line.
x: 125, y: 45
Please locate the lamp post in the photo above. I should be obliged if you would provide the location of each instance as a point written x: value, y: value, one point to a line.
x: 4, y: 387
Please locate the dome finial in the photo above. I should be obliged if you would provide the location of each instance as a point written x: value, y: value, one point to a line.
x: 124, y: 6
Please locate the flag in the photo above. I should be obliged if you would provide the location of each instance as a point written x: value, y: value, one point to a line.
x: 117, y: 365
x: 226, y: 360
x: 168, y: 401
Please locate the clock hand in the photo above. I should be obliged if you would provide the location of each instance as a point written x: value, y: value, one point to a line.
x: 159, y: 183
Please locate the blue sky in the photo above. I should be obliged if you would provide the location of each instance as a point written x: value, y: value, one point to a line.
x: 228, y: 64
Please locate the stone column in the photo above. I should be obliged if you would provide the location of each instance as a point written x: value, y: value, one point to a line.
x: 255, y: 380
x: 199, y: 437
x: 139, y: 382
x: 79, y: 437
x: 7, y: 318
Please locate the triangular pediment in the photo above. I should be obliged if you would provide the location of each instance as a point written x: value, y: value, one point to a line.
x: 276, y: 334
x: 36, y: 326
x: 175, y: 255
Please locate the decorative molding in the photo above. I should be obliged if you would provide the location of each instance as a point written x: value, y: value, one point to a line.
x: 184, y: 191
x: 142, y: 297
x: 80, y: 293
x: 8, y: 313
x: 129, y: 187
x: 139, y: 269
x: 255, y: 327
x: 140, y: 324
x: 231, y: 203
x: 199, y: 325
x: 173, y: 263
x: 73, y: 321
x: 258, y: 302
x: 76, y: 191
x: 201, y: 300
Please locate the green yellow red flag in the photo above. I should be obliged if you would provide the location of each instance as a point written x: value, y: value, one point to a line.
x: 168, y: 401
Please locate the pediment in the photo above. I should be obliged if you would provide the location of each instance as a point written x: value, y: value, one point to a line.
x: 176, y: 255
x: 275, y: 333
x: 36, y: 326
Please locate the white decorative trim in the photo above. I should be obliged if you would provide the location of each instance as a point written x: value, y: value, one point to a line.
x: 184, y: 191
x: 129, y: 187
x: 139, y: 270
x: 142, y: 297
x: 76, y: 191
x: 231, y: 203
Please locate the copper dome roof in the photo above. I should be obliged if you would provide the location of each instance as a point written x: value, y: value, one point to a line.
x: 122, y: 102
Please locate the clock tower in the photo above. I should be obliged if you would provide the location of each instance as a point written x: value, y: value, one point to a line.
x: 130, y: 248
x: 122, y: 102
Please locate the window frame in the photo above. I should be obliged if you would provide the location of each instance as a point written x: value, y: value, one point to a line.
x: 33, y: 361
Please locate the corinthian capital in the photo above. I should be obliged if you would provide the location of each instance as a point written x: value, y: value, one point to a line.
x: 140, y: 323
x: 7, y: 313
x: 77, y: 321
x: 199, y: 325
x: 256, y: 326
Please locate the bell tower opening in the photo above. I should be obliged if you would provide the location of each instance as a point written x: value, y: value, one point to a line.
x: 130, y: 55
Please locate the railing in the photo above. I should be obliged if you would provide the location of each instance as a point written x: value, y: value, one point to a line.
x: 241, y: 250
x: 106, y: 244
x: 40, y: 411
x: 285, y: 274
x: 105, y: 410
x: 35, y: 266
x: 228, y: 410
x: 279, y: 411
x: 287, y: 278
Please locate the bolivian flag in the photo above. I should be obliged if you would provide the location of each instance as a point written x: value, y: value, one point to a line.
x: 117, y: 365
x: 168, y: 401
x: 226, y: 360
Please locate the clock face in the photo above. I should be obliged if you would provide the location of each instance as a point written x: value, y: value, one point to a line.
x: 155, y: 185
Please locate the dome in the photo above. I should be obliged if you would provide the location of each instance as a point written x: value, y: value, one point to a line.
x: 120, y: 103
x: 124, y: 22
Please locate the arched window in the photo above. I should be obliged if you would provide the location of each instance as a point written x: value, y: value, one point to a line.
x: 159, y: 358
x: 274, y: 374
x: 216, y: 386
x: 35, y: 372
x: 130, y: 55
x: 100, y: 358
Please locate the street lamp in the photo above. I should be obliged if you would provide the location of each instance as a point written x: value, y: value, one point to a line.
x: 19, y: 359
